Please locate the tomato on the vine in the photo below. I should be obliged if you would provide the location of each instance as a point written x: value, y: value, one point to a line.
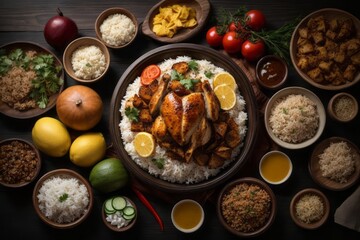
x: 232, y: 42
x: 255, y: 19
x: 253, y: 51
x: 213, y: 38
x: 235, y: 27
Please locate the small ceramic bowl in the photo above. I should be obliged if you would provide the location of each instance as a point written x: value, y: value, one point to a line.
x: 81, y: 43
x: 120, y: 42
x: 275, y: 167
x: 243, y: 188
x: 23, y: 157
x: 309, y: 193
x: 47, y: 194
x: 271, y: 72
x: 187, y: 215
x: 343, y: 107
x: 114, y: 227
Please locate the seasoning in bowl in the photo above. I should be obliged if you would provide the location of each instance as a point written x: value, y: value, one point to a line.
x: 271, y: 71
x: 343, y: 107
x: 19, y: 162
x: 187, y: 215
x: 275, y: 167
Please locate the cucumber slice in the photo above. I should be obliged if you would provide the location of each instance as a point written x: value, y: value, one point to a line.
x: 129, y: 211
x: 109, y: 212
x: 108, y: 206
x: 118, y: 203
x: 129, y: 217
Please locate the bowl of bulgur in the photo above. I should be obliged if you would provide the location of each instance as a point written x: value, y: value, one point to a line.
x: 309, y: 208
x: 246, y: 207
x: 86, y: 59
x: 116, y: 27
x: 20, y: 162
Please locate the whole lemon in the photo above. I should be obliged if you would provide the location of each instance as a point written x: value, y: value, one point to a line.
x: 88, y: 149
x: 51, y: 137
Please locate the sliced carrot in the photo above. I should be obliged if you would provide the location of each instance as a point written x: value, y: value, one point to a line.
x: 149, y: 74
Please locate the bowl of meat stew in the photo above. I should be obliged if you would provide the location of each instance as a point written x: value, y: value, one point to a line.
x: 325, y: 49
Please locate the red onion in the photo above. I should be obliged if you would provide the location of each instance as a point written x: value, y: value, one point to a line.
x: 59, y: 31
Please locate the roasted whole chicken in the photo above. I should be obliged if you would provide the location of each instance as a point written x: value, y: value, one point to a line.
x: 185, y: 119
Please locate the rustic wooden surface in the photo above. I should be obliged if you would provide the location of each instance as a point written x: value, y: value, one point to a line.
x: 23, y: 20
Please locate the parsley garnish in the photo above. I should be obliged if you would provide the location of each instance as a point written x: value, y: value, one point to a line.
x: 63, y: 197
x: 88, y: 65
x: 159, y: 162
x: 208, y: 74
x: 187, y: 83
x: 46, y: 82
x: 132, y: 113
x: 193, y: 65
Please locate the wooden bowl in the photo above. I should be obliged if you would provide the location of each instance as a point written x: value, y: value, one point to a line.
x: 202, y: 8
x: 11, y: 112
x: 316, y: 173
x: 83, y: 42
x: 111, y: 11
x: 157, y: 56
x: 14, y: 151
x: 62, y: 174
x: 114, y: 227
x: 284, y: 93
x: 333, y: 105
x: 271, y: 72
x: 250, y: 181
x: 323, y: 199
x: 328, y: 13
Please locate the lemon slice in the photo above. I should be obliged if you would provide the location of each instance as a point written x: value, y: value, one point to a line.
x: 226, y: 96
x: 224, y: 78
x: 144, y: 144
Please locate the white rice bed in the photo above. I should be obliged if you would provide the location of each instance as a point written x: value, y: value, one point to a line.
x: 176, y: 171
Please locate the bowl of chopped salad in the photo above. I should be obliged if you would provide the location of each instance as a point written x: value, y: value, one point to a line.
x: 31, y: 79
x: 119, y: 213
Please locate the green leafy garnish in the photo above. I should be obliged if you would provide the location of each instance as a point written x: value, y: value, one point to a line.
x: 132, y: 113
x: 175, y: 75
x: 193, y: 65
x: 208, y: 74
x: 63, y: 197
x: 88, y: 64
x: 159, y: 162
x: 189, y: 83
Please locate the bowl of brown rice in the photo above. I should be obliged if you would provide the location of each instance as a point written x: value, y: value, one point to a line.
x: 246, y: 207
x: 335, y: 163
x: 116, y: 27
x: 86, y: 59
x: 20, y: 162
x: 294, y: 117
x: 63, y: 198
x: 309, y: 208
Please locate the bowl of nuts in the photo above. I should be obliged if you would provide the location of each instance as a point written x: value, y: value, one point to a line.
x: 20, y: 162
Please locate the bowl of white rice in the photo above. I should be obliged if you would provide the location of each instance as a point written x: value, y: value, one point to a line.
x: 176, y: 176
x: 294, y: 117
x: 116, y: 27
x: 63, y: 198
x: 86, y: 59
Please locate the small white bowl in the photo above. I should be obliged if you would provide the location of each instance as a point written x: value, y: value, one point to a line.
x: 276, y: 164
x: 182, y: 209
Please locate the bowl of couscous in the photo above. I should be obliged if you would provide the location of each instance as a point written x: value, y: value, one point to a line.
x: 116, y: 27
x: 246, y: 207
x: 309, y: 208
x: 86, y: 59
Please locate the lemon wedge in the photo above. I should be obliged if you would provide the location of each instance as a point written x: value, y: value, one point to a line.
x: 226, y: 96
x: 224, y: 78
x: 144, y: 144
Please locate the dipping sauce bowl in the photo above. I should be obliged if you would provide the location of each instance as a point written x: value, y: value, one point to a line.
x: 275, y: 167
x: 187, y: 215
x: 271, y: 72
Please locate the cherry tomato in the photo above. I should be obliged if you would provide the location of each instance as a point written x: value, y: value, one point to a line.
x: 213, y: 38
x: 253, y: 51
x: 235, y: 26
x: 255, y: 19
x: 232, y: 42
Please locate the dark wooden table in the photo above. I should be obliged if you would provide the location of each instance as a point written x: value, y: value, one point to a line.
x: 23, y: 20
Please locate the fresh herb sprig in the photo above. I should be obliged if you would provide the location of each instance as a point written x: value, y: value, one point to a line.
x: 63, y: 197
x: 132, y: 113
x: 188, y: 83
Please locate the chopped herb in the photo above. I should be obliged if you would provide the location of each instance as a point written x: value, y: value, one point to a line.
x: 189, y: 83
x: 63, y: 197
x: 175, y: 75
x: 208, y: 74
x: 132, y: 113
x: 285, y: 111
x: 159, y: 162
x: 88, y: 65
x: 193, y: 65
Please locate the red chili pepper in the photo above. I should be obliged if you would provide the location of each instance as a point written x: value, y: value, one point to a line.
x: 148, y: 205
